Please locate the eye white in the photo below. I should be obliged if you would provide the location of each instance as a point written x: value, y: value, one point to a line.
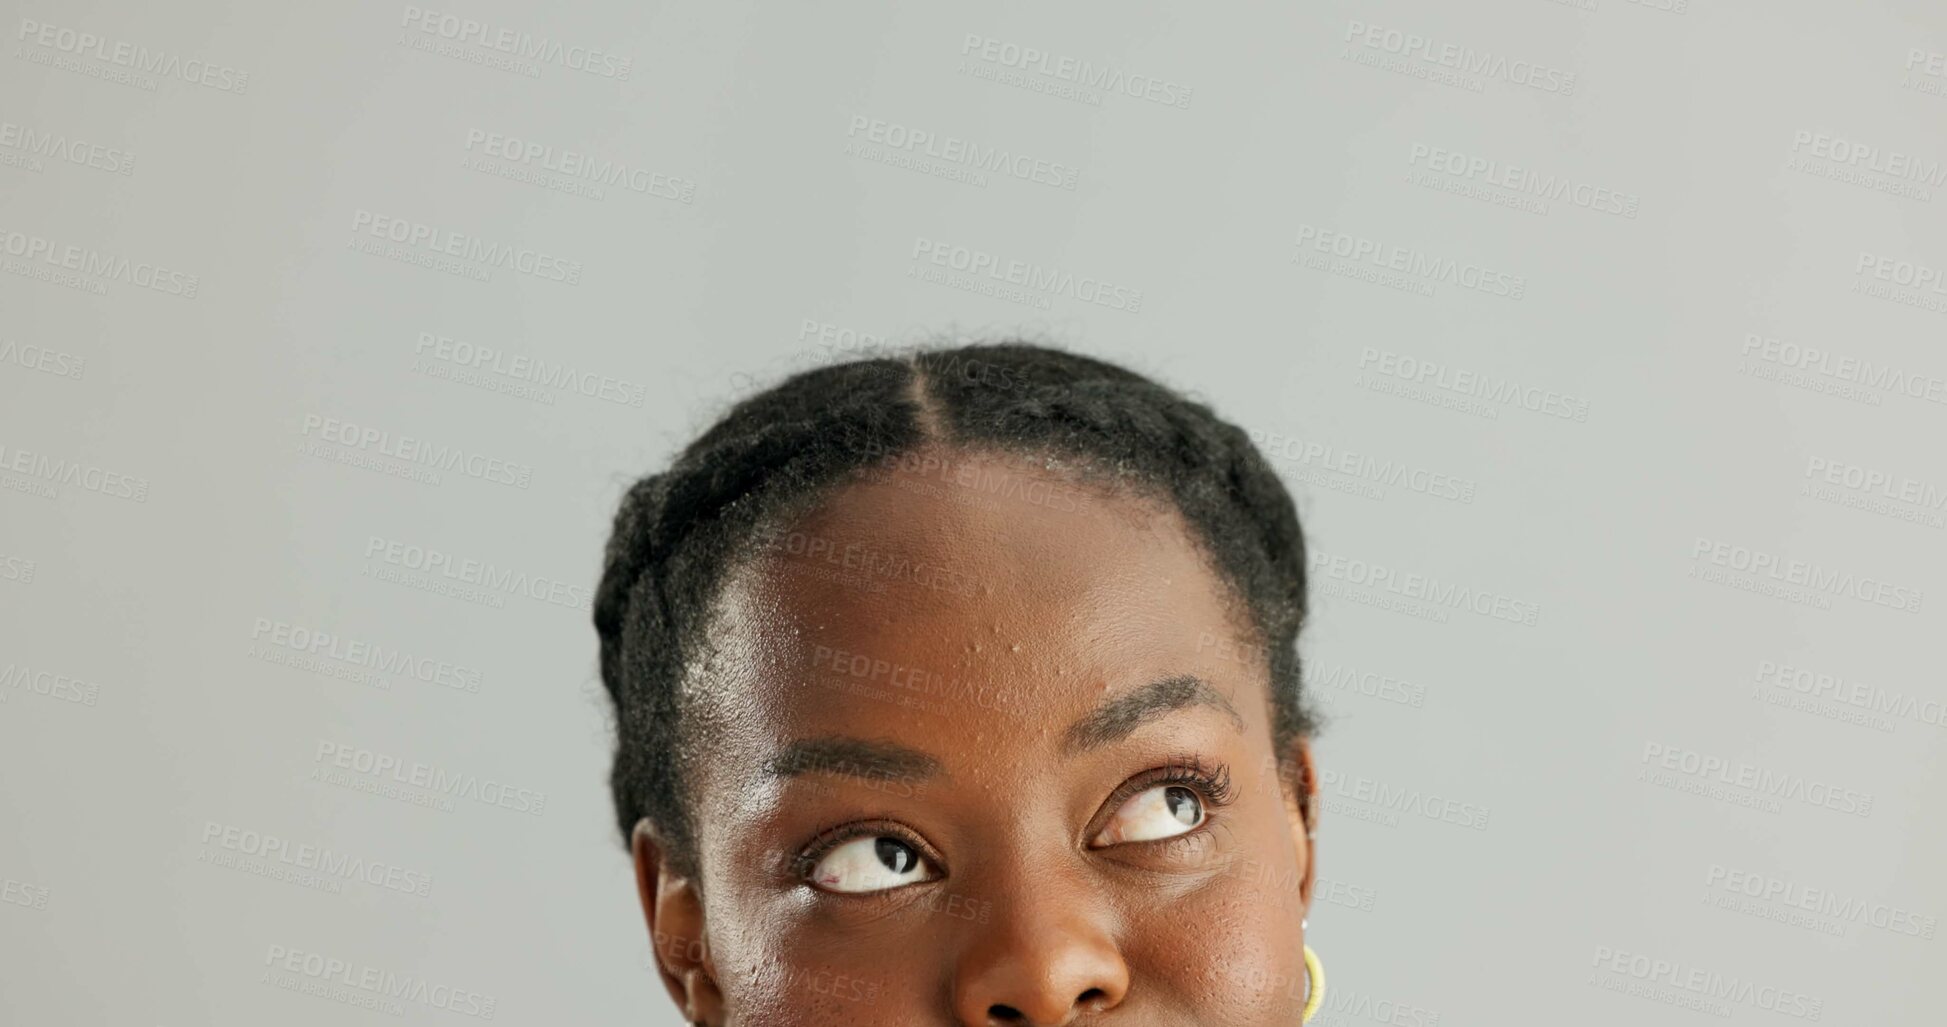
x: 869, y: 864
x: 1164, y: 811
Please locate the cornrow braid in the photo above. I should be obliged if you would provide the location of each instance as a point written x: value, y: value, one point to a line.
x: 775, y: 454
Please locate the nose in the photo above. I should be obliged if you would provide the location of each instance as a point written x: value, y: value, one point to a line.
x: 1045, y: 960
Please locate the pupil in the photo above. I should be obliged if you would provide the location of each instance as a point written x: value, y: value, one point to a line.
x: 897, y: 856
x: 1183, y: 804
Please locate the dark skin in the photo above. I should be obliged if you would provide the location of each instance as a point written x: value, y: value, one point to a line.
x: 985, y: 785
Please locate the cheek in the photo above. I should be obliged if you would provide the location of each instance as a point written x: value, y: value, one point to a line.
x: 815, y: 1010
x: 803, y: 988
x: 777, y: 968
x: 1231, y: 953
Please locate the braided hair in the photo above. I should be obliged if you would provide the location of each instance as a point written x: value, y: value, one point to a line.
x: 679, y: 533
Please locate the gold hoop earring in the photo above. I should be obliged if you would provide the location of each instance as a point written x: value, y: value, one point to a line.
x: 1314, y: 984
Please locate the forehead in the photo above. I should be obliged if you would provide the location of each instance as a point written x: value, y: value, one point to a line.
x: 961, y: 585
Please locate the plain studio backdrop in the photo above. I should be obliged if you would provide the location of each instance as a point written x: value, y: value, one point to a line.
x: 1599, y: 341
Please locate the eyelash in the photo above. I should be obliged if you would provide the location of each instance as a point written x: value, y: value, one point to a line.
x: 826, y: 841
x: 1212, y: 783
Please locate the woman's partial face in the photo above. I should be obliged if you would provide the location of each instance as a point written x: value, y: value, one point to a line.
x: 984, y: 748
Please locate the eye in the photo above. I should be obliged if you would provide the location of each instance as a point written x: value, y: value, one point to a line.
x: 1164, y: 811
x: 870, y: 863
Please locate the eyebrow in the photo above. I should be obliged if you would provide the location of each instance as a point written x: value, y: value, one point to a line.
x: 855, y: 757
x: 1119, y: 717
x: 1114, y: 720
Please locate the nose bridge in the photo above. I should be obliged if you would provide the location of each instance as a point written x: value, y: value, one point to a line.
x: 1047, y: 953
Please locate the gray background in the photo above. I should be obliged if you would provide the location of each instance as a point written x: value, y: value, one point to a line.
x: 151, y: 725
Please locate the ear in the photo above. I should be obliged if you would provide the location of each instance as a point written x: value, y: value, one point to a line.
x: 1302, y: 807
x: 673, y: 907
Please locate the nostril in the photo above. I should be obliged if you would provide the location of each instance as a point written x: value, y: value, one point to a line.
x: 1004, y: 1014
